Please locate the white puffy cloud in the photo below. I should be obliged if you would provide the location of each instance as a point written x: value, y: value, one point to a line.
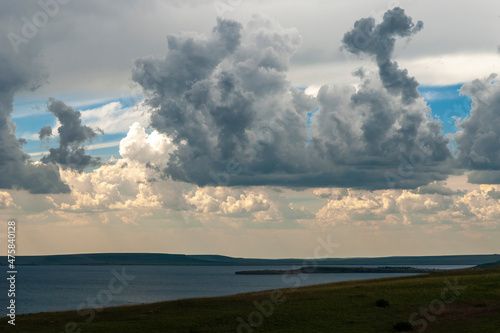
x: 6, y: 200
x: 481, y: 205
x: 227, y: 200
x: 258, y: 204
x: 354, y: 205
x: 128, y: 182
x: 141, y: 147
x: 120, y: 185
x: 435, y: 205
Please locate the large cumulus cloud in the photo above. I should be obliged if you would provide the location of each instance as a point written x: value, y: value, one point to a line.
x: 478, y: 139
x: 225, y: 101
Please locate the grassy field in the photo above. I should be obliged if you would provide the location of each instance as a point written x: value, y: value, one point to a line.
x: 457, y: 301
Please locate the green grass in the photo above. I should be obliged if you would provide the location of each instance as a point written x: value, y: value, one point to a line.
x: 338, y: 307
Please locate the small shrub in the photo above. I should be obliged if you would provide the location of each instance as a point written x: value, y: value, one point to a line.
x: 403, y: 326
x: 382, y: 303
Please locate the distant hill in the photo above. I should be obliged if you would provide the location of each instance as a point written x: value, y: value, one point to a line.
x: 108, y: 259
x: 218, y: 260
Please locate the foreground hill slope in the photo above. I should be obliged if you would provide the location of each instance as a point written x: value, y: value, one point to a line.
x: 453, y: 301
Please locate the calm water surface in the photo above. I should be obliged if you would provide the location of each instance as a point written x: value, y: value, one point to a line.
x: 53, y: 288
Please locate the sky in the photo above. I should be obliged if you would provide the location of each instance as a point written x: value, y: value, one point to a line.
x: 250, y: 128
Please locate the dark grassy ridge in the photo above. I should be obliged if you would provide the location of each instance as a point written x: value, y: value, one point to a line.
x: 489, y: 265
x: 339, y: 307
x: 217, y: 260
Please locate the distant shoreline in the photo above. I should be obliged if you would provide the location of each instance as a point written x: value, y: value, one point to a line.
x: 329, y: 269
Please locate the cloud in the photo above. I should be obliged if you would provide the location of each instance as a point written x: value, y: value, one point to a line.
x: 438, y: 188
x: 376, y: 140
x: 225, y: 101
x: 478, y: 138
x: 114, y: 118
x: 378, y: 40
x: 21, y: 71
x: 153, y: 148
x: 479, y: 205
x: 250, y: 206
x: 45, y: 132
x: 331, y: 193
x: 360, y: 207
x: 227, y: 201
x: 494, y: 194
x: 72, y: 135
x: 119, y: 186
x: 6, y: 200
x: 127, y: 183
x: 425, y: 206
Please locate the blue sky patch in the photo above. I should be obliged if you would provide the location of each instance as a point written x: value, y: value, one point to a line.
x: 447, y: 105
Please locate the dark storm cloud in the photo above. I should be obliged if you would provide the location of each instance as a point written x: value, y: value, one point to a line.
x: 378, y: 40
x: 72, y: 135
x: 20, y: 71
x: 371, y: 131
x: 478, y: 140
x: 45, y: 132
x: 225, y: 101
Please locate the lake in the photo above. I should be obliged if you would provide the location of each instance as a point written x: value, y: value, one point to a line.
x: 54, y: 288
